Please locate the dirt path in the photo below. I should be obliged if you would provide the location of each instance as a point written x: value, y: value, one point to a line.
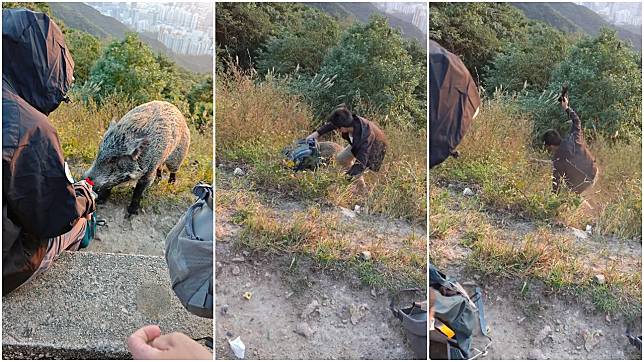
x: 298, y: 311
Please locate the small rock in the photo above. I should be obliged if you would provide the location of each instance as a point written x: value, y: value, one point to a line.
x: 239, y: 259
x: 589, y: 230
x: 303, y: 329
x: 124, y: 310
x: 591, y: 339
x: 373, y: 293
x: 345, y: 321
x: 468, y: 192
x: 599, y: 279
x: 236, y: 270
x: 348, y: 213
x: 544, y: 333
x: 356, y: 208
x: 246, y: 253
x: 223, y: 310
x: 238, y: 172
x: 311, y: 308
x: 579, y: 234
x: 357, y: 312
x: 365, y: 255
x: 536, y: 354
x: 608, y: 318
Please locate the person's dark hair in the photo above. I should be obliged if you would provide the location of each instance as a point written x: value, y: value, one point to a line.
x: 551, y: 138
x: 341, y: 117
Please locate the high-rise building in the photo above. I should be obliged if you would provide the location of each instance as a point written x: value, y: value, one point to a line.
x: 185, y: 28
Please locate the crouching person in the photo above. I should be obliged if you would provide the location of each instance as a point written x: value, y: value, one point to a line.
x: 43, y: 211
x: 367, y: 144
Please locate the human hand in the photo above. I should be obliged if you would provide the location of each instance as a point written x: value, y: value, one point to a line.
x: 564, y: 103
x: 148, y: 343
x: 85, y: 187
x: 313, y: 135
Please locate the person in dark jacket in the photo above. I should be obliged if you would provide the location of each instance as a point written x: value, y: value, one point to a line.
x: 367, y: 143
x: 573, y: 164
x: 43, y: 211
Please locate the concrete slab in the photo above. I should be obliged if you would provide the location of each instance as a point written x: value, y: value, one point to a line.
x: 87, y: 304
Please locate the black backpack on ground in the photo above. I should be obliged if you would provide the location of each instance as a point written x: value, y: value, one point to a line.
x: 414, y: 320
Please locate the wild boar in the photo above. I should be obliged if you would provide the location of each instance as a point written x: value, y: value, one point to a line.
x: 137, y: 146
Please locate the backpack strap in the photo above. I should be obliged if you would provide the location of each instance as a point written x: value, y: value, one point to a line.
x: 398, y: 313
x: 477, y: 298
x: 204, y: 193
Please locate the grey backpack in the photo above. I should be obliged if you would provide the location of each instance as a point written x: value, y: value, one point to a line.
x: 303, y: 155
x: 189, y: 251
x: 461, y: 313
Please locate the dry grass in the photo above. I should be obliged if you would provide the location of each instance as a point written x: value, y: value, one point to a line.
x: 558, y: 260
x: 324, y: 238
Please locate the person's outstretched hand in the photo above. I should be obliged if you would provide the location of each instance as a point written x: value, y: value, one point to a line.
x: 564, y: 103
x: 148, y: 343
x: 313, y: 135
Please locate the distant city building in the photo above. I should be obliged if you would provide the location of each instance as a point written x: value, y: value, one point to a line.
x: 184, y: 28
x: 413, y: 12
x: 617, y: 13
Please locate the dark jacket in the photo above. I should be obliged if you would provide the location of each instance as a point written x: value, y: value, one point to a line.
x: 38, y: 198
x: 369, y: 144
x: 572, y: 162
x: 453, y: 103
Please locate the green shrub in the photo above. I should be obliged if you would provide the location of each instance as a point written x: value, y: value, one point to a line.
x: 605, y: 81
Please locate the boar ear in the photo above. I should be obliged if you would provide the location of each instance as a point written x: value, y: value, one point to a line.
x: 137, y: 147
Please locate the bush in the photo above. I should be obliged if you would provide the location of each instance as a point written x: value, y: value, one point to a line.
x: 497, y: 158
x: 528, y: 65
x: 511, y: 176
x: 605, y: 81
x: 85, y: 49
x: 129, y: 67
x: 372, y: 73
x: 301, y: 45
x: 476, y: 31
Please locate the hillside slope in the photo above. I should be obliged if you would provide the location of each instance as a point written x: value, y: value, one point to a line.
x: 362, y: 12
x: 572, y: 18
x: 84, y: 17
